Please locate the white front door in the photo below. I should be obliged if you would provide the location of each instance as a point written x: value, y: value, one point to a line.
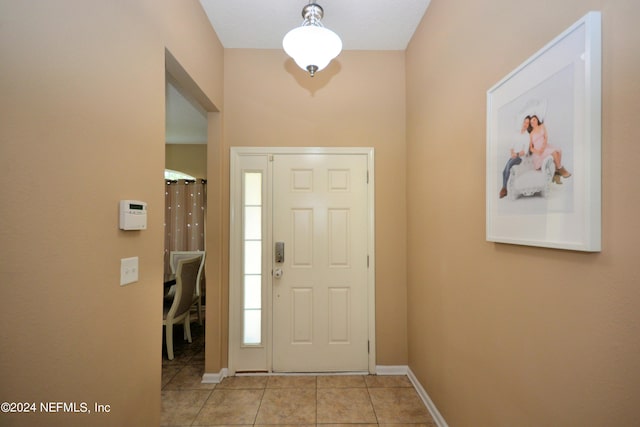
x: 320, y: 294
x: 312, y: 308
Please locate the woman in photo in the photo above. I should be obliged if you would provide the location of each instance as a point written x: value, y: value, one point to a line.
x: 540, y: 149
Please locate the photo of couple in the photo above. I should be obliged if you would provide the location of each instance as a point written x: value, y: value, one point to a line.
x: 534, y: 151
x: 532, y: 143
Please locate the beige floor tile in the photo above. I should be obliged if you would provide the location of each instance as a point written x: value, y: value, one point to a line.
x: 230, y: 407
x: 398, y: 405
x: 346, y: 425
x: 197, y: 357
x: 387, y: 381
x: 341, y: 381
x: 189, y: 378
x: 288, y: 425
x: 168, y: 372
x: 344, y: 406
x: 288, y: 406
x: 181, y: 407
x: 291, y: 381
x: 231, y: 425
x: 258, y: 382
x: 285, y: 400
x: 180, y: 358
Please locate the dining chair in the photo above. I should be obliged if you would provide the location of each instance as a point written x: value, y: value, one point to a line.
x: 174, y: 256
x: 180, y: 309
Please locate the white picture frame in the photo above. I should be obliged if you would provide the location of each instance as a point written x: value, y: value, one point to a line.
x: 561, y: 86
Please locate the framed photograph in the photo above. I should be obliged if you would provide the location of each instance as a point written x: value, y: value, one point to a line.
x: 543, y: 145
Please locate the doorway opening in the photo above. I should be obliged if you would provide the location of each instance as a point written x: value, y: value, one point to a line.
x: 188, y: 117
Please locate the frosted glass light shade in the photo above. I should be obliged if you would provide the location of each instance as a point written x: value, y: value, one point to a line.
x: 312, y: 47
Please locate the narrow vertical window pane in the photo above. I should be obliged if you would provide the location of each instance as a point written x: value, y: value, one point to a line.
x: 252, y: 284
x: 252, y: 257
x: 252, y: 292
x: 253, y: 188
x: 252, y: 326
x: 253, y: 222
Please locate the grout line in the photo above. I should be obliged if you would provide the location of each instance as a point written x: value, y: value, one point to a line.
x: 371, y: 401
x: 164, y: 387
x: 202, y: 407
x: 255, y: 419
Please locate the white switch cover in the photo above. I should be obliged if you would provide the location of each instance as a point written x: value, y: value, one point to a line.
x: 128, y: 270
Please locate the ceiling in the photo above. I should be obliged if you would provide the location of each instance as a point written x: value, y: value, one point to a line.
x: 361, y: 24
x: 245, y: 24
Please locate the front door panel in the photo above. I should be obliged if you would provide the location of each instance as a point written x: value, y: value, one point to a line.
x: 320, y: 316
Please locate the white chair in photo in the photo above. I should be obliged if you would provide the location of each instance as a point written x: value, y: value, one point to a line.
x: 525, y: 180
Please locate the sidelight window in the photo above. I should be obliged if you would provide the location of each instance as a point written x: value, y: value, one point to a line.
x: 252, y: 204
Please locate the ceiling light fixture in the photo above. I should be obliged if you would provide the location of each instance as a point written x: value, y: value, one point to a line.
x: 312, y: 45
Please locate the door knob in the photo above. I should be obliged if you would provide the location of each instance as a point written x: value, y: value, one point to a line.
x: 277, y: 273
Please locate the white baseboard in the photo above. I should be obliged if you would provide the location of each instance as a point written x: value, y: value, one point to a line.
x: 435, y: 414
x: 405, y: 370
x: 215, y: 378
x: 392, y: 370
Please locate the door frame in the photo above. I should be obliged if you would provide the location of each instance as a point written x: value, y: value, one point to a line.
x: 237, y: 154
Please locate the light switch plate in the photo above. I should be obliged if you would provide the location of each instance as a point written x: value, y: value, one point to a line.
x: 128, y: 270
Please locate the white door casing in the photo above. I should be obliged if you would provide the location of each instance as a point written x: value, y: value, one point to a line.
x: 319, y: 314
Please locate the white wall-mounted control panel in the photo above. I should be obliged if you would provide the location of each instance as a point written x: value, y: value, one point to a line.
x: 133, y: 215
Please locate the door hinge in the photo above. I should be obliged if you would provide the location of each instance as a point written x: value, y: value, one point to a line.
x: 367, y: 177
x: 367, y: 261
x: 368, y: 347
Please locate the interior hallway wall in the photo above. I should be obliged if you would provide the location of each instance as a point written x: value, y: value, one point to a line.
x: 82, y: 126
x: 505, y: 335
x: 188, y: 158
x: 357, y: 101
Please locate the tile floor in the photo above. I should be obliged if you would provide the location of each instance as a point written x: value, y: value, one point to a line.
x: 368, y: 400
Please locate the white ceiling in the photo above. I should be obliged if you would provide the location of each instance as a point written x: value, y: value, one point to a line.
x: 361, y: 24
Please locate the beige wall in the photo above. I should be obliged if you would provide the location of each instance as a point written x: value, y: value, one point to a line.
x: 188, y: 158
x: 86, y: 79
x: 81, y: 127
x: 358, y: 101
x: 504, y: 335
